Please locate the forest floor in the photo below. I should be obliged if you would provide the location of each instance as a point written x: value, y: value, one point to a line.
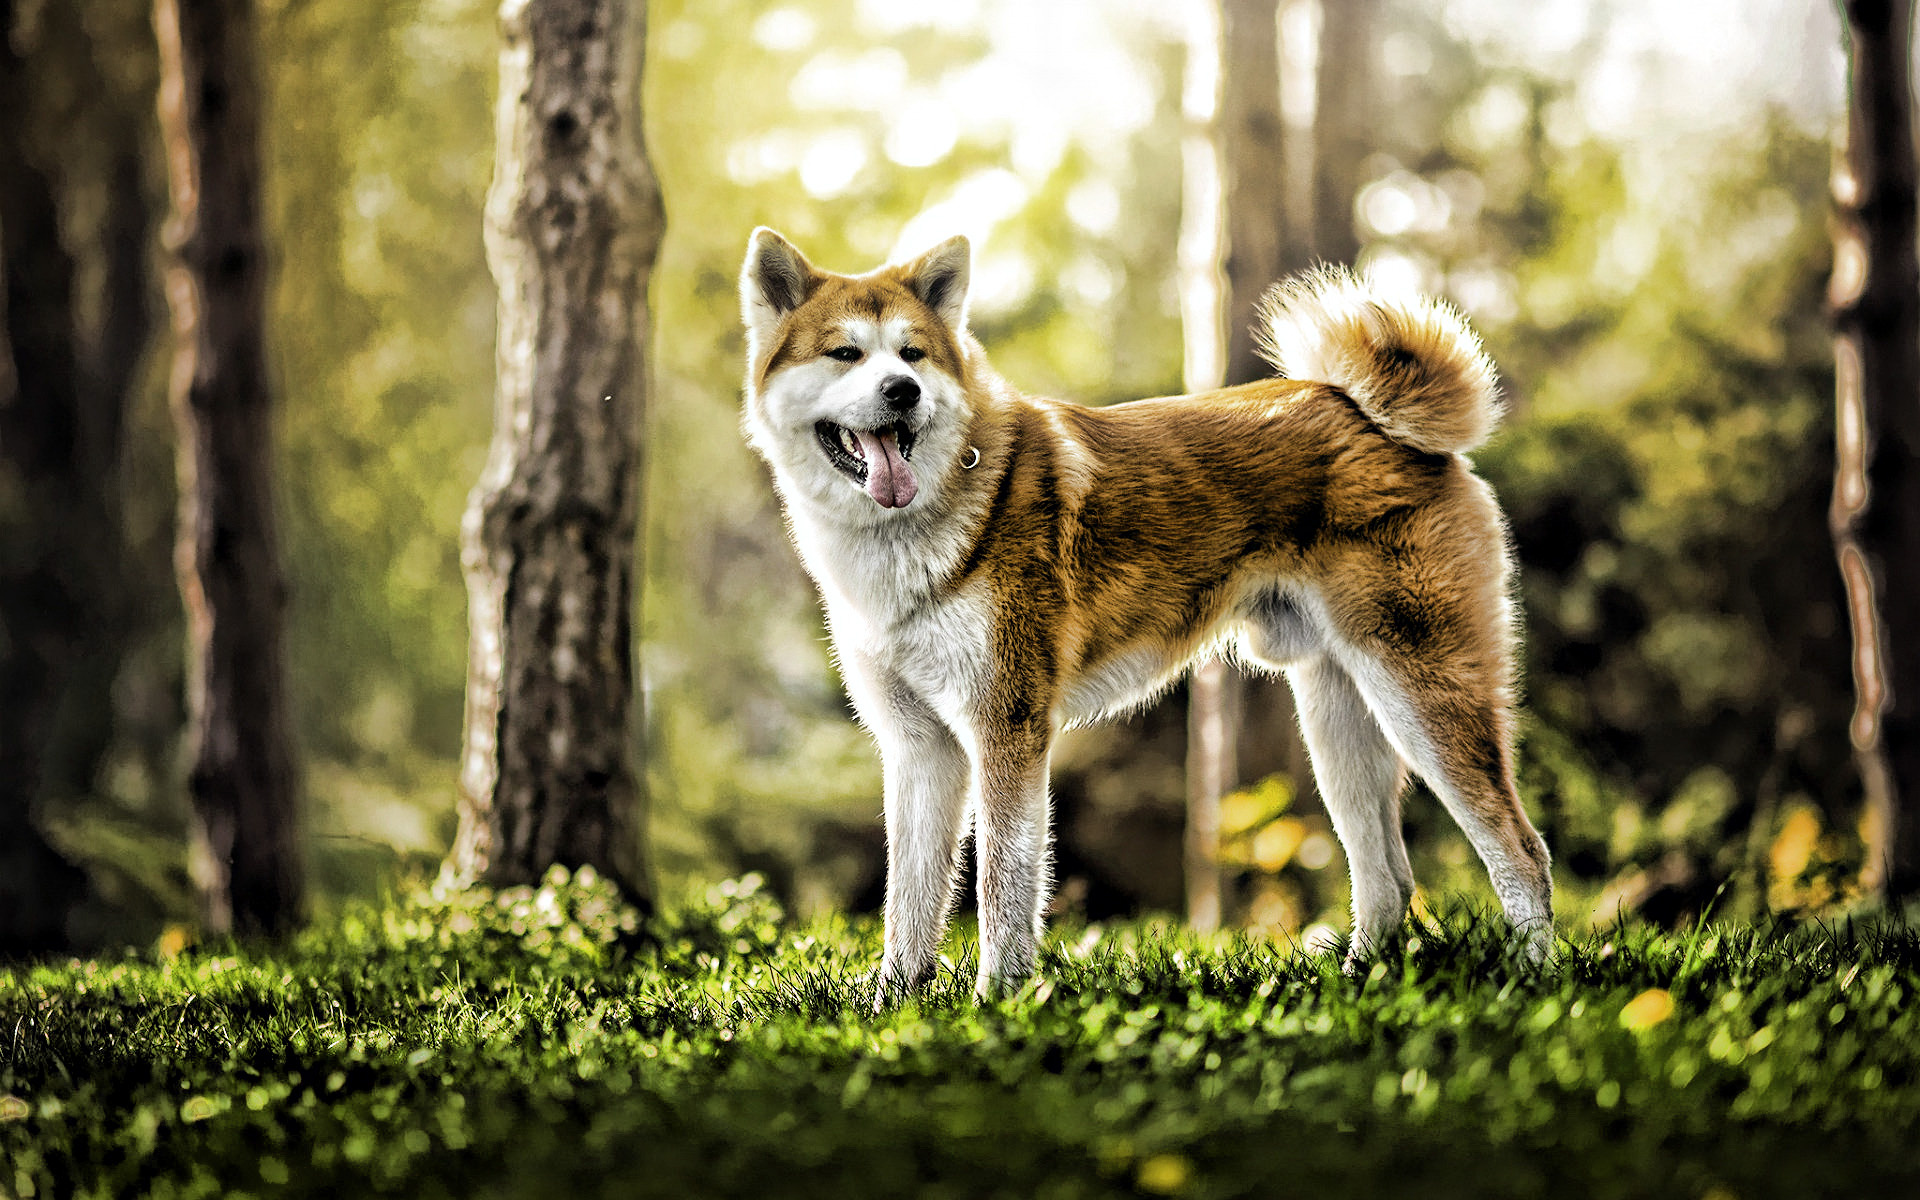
x: 541, y: 1043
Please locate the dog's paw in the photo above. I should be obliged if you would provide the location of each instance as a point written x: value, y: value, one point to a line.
x: 893, y: 987
x: 1536, y: 941
x: 1363, y: 951
x: 990, y: 987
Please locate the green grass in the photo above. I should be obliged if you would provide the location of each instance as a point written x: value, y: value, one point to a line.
x: 531, y: 1045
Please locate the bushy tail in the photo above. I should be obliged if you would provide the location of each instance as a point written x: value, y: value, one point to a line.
x: 1413, y: 366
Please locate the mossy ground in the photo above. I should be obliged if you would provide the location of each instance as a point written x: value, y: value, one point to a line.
x: 542, y: 1043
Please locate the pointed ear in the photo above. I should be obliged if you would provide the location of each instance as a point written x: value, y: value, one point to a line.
x: 776, y: 279
x: 939, y: 277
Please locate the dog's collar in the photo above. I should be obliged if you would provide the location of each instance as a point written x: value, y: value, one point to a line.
x: 970, y: 464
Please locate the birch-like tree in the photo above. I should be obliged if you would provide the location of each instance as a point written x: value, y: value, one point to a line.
x: 1875, y: 515
x: 574, y: 221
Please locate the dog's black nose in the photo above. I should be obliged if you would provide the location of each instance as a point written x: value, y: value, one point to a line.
x: 901, y: 391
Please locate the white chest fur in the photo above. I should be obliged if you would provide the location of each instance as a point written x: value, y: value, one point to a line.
x: 883, y: 587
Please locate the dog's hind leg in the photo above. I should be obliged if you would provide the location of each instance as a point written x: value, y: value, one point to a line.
x: 1460, y: 742
x: 1360, y: 777
x: 926, y: 780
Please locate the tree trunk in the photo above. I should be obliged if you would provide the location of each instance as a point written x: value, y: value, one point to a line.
x: 1343, y: 107
x: 574, y: 221
x: 67, y: 361
x: 1232, y: 250
x: 39, y: 628
x: 1253, y: 198
x: 1875, y: 294
x: 61, y: 402
x: 241, y: 776
x: 120, y: 602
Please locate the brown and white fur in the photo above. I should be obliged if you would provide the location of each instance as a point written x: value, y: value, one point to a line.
x: 997, y: 566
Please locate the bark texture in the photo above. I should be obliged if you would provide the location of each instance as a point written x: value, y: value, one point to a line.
x: 241, y: 776
x: 574, y: 221
x: 1875, y: 294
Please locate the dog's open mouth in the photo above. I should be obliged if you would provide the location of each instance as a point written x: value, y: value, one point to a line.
x: 876, y: 459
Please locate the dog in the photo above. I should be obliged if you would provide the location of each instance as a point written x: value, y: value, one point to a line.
x: 996, y: 567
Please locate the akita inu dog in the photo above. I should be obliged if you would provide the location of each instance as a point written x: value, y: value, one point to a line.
x: 997, y: 566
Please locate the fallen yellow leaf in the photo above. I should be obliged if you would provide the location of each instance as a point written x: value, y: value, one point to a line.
x: 1792, y: 851
x: 1164, y: 1174
x: 1647, y: 1009
x: 174, y: 939
x: 1275, y: 844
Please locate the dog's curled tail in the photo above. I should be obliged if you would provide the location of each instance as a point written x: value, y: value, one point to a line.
x: 1413, y: 366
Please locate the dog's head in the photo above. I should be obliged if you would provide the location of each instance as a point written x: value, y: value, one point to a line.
x: 856, y: 384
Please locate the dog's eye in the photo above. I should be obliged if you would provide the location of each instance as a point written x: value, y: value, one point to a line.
x: 845, y: 353
x: 912, y: 354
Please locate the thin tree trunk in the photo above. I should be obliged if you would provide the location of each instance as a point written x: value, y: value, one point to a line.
x: 45, y: 547
x: 39, y: 888
x: 1203, y: 338
x: 114, y: 349
x: 1213, y: 722
x: 574, y: 221
x: 115, y: 325
x: 1343, y: 108
x: 241, y: 776
x: 1254, y: 196
x: 1875, y: 294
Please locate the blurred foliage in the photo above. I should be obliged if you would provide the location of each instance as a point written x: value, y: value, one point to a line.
x: 1657, y: 314
x: 1667, y: 487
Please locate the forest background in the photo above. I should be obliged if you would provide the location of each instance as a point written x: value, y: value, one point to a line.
x: 1629, y: 199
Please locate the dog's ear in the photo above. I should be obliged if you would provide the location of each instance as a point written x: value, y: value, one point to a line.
x: 939, y: 278
x: 776, y: 279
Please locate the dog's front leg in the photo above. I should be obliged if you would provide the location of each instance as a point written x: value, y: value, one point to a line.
x: 1010, y: 839
x: 926, y: 798
x: 926, y: 788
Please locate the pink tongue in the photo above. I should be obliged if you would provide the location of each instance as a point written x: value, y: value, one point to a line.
x: 889, y: 478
